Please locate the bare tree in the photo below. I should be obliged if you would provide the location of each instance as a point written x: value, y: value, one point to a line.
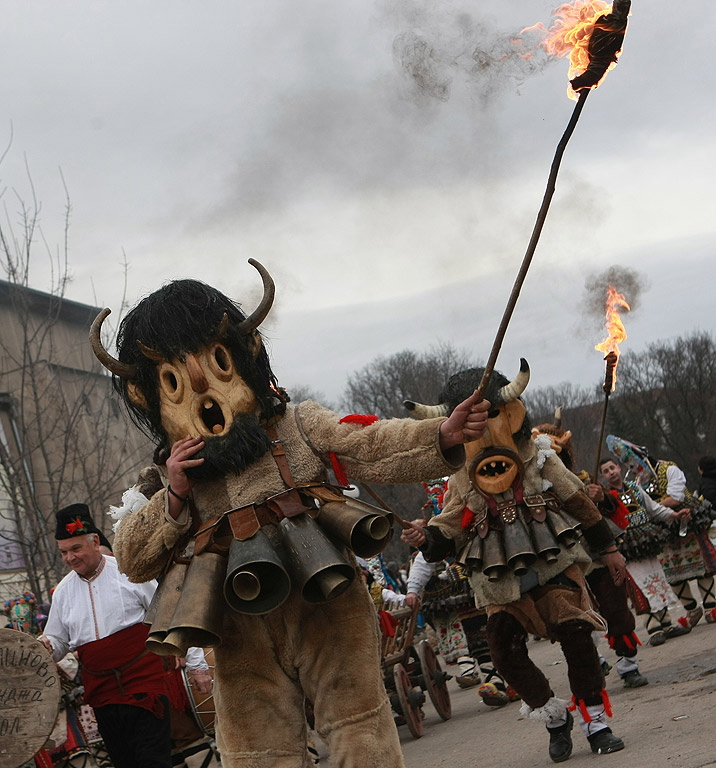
x: 63, y: 438
x: 581, y: 414
x: 303, y: 392
x: 667, y: 400
x: 380, y: 388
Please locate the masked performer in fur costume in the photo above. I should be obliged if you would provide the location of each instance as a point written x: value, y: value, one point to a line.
x: 512, y: 516
x: 446, y: 601
x: 194, y: 372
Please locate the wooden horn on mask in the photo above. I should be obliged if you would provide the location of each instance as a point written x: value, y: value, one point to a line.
x: 254, y: 320
x: 117, y: 367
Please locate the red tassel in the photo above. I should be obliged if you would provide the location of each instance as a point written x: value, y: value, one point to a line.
x: 388, y: 623
x: 607, y: 703
x: 467, y: 517
x: 611, y: 641
x: 635, y: 638
x: 683, y: 621
x: 573, y: 705
x: 583, y: 710
x: 627, y: 641
x: 338, y: 470
x: 359, y: 418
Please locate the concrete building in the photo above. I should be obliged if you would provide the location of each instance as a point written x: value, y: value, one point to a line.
x: 64, y: 435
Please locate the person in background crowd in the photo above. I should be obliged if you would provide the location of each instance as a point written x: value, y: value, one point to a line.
x: 640, y: 544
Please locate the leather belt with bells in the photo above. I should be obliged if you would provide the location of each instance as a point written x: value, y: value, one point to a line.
x: 245, y: 521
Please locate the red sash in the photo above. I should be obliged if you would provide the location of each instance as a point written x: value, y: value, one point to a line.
x: 118, y: 670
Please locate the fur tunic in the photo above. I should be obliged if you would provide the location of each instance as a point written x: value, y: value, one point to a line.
x: 328, y: 652
x: 543, y: 471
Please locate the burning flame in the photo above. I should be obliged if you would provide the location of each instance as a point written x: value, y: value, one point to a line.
x: 615, y: 332
x: 570, y: 33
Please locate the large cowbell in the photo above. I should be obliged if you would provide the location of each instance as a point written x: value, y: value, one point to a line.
x: 186, y: 613
x: 519, y: 551
x: 163, y: 605
x: 319, y: 569
x: 256, y: 578
x: 361, y: 527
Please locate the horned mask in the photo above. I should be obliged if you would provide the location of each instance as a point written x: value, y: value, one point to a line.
x: 493, y: 462
x: 190, y: 378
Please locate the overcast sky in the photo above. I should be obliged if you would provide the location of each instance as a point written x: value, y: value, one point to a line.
x: 384, y: 160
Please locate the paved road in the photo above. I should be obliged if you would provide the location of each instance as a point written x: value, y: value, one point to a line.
x: 669, y: 722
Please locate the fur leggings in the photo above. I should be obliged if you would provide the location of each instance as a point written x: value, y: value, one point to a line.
x: 508, y: 643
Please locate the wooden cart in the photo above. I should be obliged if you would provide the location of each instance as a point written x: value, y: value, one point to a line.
x: 410, y: 670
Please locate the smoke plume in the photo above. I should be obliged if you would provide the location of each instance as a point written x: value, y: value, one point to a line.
x: 630, y: 283
x: 437, y: 48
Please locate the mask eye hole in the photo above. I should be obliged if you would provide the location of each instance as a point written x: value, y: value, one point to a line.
x: 171, y: 383
x: 222, y: 358
x: 220, y: 362
x: 493, y: 413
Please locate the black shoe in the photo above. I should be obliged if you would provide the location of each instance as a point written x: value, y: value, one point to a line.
x: 634, y: 679
x: 676, y: 630
x: 658, y: 638
x: 603, y: 742
x: 560, y: 740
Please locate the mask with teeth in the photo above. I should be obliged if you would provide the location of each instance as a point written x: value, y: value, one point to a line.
x: 493, y: 461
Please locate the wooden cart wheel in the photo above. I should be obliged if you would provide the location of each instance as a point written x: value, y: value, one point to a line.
x: 435, y: 680
x: 411, y: 711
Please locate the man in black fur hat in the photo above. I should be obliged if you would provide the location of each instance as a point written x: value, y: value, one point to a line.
x: 99, y: 613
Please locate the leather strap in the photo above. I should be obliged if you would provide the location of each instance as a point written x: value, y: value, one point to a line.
x: 287, y: 504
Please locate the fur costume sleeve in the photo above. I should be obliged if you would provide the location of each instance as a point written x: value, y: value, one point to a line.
x: 570, y: 490
x: 448, y: 524
x: 145, y: 539
x: 387, y: 451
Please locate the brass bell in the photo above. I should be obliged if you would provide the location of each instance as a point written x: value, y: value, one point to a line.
x: 163, y: 605
x: 574, y: 524
x: 563, y: 530
x: 519, y: 551
x: 545, y: 543
x: 472, y: 554
x: 361, y: 527
x: 317, y: 568
x: 494, y: 563
x: 198, y: 618
x: 256, y: 580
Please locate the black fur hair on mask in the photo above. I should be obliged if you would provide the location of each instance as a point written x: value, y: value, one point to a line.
x: 461, y: 385
x: 182, y: 317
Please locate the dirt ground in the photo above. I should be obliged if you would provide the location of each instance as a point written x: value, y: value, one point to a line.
x: 666, y: 723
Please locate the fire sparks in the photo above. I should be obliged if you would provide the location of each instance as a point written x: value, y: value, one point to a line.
x: 616, y: 333
x: 576, y: 28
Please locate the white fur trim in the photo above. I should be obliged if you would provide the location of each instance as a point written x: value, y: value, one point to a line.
x: 544, y: 449
x: 132, y: 500
x: 554, y: 709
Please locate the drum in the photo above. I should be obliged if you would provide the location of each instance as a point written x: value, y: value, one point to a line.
x: 202, y: 704
x: 29, y: 697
